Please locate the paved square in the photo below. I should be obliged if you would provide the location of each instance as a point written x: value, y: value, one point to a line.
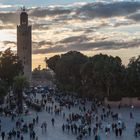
x: 55, y: 132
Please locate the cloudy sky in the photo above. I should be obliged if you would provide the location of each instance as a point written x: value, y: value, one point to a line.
x: 90, y: 26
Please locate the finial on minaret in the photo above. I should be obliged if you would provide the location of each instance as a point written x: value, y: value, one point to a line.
x: 23, y: 9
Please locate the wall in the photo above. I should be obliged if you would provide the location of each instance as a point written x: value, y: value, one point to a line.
x: 124, y: 102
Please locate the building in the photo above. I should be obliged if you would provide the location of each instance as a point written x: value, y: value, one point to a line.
x: 43, y: 77
x: 24, y: 44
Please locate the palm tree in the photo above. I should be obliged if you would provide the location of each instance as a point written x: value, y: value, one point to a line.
x: 19, y: 84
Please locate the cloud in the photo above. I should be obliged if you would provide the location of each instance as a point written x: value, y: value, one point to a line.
x: 87, y: 10
x: 56, y: 49
x: 74, y: 39
x: 9, y: 17
x: 6, y: 27
x: 43, y: 18
x: 107, y: 10
x: 9, y: 42
x: 135, y: 17
x: 123, y: 23
x: 41, y: 44
x: 43, y: 12
x: 89, y: 46
x: 3, y: 6
x: 40, y: 26
x: 35, y: 45
x: 105, y: 45
x: 77, y: 27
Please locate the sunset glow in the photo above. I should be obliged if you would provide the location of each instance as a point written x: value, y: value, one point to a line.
x: 85, y: 26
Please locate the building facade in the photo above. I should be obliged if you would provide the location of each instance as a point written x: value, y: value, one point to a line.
x: 24, y: 44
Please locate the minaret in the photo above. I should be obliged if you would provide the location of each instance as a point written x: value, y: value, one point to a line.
x: 24, y: 44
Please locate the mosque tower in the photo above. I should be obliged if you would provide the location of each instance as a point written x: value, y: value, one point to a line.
x: 24, y: 44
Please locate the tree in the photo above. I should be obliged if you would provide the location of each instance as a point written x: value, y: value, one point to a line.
x: 133, y: 77
x: 52, y: 62
x: 19, y: 84
x: 10, y: 66
x: 67, y: 69
x: 3, y: 90
x: 102, y: 75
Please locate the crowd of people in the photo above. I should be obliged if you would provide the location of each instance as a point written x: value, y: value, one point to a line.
x: 82, y: 118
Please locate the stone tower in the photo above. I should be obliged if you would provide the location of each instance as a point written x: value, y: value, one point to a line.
x: 24, y: 44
